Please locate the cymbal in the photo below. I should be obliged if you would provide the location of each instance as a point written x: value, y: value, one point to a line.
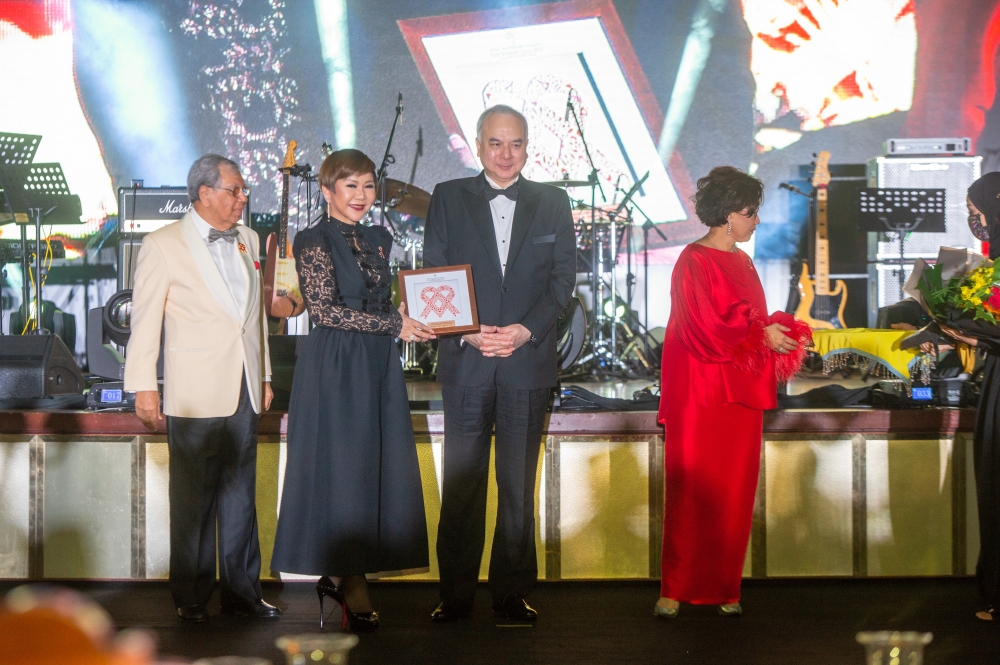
x: 568, y: 183
x: 414, y: 202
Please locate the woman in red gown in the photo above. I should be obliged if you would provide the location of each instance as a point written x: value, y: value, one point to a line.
x: 722, y: 358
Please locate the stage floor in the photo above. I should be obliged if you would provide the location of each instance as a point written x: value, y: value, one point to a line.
x: 786, y: 621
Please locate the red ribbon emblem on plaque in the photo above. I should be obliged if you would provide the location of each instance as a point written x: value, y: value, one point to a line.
x: 438, y: 300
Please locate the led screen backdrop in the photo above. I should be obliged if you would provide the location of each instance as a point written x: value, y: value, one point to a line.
x: 473, y: 61
x: 124, y: 89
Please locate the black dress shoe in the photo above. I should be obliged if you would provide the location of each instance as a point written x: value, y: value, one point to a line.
x: 448, y: 611
x: 259, y: 609
x: 193, y: 613
x: 514, y: 608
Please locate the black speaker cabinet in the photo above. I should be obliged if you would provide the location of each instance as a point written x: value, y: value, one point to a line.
x: 34, y: 366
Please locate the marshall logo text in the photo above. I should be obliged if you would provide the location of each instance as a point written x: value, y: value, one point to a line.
x: 171, y: 207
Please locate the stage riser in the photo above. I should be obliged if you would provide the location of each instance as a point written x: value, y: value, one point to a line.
x: 95, y: 507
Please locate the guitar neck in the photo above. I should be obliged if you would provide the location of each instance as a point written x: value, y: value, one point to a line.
x: 822, y: 267
x: 283, y: 220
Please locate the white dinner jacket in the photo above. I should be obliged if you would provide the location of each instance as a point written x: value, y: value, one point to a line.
x: 209, y: 345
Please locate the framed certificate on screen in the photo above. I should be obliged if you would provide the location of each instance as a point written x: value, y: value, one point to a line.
x: 441, y: 298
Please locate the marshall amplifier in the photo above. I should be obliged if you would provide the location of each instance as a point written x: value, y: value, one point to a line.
x: 142, y: 210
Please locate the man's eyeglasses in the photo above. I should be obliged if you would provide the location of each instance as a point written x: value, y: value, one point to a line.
x: 235, y: 191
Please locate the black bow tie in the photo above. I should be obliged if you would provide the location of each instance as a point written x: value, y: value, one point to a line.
x: 510, y: 192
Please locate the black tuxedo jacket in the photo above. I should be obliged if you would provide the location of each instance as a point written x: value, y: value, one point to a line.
x: 541, y: 275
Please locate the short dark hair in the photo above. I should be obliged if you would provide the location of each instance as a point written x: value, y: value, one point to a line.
x: 205, y: 173
x: 723, y: 191
x: 343, y: 164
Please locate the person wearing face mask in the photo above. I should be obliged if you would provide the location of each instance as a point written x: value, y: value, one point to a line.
x: 352, y: 502
x: 983, y: 202
x: 722, y: 359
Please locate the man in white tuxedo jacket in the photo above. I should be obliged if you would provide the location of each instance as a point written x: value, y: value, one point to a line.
x: 199, y: 282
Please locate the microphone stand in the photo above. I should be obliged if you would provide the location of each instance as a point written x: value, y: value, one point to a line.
x: 621, y: 206
x: 794, y: 277
x: 411, y: 363
x: 597, y: 258
x: 646, y: 226
x: 386, y: 160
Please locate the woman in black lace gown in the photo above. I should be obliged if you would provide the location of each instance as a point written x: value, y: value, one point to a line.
x: 352, y: 501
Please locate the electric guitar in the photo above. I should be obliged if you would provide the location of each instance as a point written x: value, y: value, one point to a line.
x: 282, y: 296
x: 818, y: 305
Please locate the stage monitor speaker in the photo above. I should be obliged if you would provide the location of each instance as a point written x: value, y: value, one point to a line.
x: 33, y: 366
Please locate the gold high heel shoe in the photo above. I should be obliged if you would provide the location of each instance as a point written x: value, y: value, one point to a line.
x: 731, y: 609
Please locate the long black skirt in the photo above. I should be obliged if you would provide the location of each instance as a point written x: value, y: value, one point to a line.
x: 352, y: 501
x: 986, y: 457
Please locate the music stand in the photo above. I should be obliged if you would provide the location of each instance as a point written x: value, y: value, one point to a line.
x: 33, y: 192
x: 902, y: 211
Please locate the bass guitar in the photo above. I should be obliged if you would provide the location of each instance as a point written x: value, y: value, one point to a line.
x: 818, y: 305
x: 282, y: 296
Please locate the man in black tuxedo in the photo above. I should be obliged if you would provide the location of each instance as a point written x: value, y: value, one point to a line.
x: 518, y: 236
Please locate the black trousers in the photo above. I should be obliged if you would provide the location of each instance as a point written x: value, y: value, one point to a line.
x: 213, y: 476
x: 470, y: 414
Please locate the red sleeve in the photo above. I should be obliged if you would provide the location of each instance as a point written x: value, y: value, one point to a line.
x: 787, y: 364
x: 712, y: 325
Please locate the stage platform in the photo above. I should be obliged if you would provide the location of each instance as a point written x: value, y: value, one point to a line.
x: 847, y: 492
x: 785, y: 621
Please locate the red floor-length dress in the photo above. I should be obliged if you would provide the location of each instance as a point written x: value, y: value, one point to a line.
x: 719, y: 375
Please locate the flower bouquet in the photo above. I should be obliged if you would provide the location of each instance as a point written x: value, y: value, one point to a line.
x: 961, y: 290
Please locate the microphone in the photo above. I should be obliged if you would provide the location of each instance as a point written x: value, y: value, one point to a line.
x: 420, y: 141
x: 399, y: 108
x: 795, y: 190
x: 630, y: 193
x: 569, y: 104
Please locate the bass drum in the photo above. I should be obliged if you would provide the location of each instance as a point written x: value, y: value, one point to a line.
x: 571, y: 331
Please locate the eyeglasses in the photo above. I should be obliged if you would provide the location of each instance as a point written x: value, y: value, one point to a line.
x: 235, y: 191
x: 750, y: 212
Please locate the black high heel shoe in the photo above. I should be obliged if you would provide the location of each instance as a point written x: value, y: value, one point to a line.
x: 358, y: 622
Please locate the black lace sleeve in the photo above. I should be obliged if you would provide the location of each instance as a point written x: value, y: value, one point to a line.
x: 318, y: 281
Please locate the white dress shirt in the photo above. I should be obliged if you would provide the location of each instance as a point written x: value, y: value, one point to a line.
x: 503, y: 219
x: 227, y: 259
